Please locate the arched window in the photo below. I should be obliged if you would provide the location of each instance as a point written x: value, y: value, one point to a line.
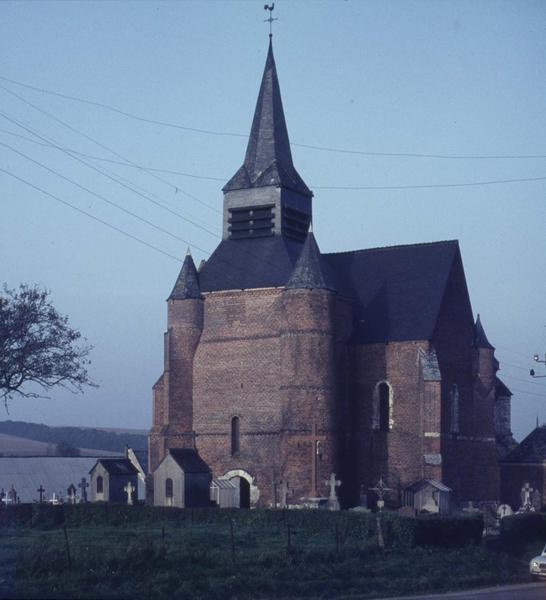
x: 168, y: 488
x: 235, y: 435
x: 100, y: 485
x: 454, y: 408
x: 382, y: 407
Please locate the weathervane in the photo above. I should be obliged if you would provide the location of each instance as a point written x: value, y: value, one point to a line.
x: 271, y: 18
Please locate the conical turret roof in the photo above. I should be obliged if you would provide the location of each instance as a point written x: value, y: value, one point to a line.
x: 480, y: 339
x: 308, y: 272
x: 187, y: 283
x: 268, y: 159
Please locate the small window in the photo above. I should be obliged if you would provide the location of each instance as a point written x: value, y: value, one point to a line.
x: 100, y: 485
x: 454, y: 406
x: 168, y: 488
x: 235, y: 436
x: 382, y: 407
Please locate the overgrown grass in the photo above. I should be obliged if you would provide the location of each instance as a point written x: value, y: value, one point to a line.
x: 328, y: 556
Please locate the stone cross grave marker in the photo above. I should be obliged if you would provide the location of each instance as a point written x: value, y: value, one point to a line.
x: 526, y: 492
x: 284, y: 494
x: 71, y: 493
x: 41, y: 491
x: 333, y: 483
x: 381, y: 489
x: 129, y: 489
x: 83, y: 485
x: 12, y: 495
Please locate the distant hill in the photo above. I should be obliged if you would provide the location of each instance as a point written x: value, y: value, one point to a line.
x: 11, y: 445
x: 81, y: 437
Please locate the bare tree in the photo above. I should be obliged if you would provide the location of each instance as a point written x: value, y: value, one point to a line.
x: 37, y: 346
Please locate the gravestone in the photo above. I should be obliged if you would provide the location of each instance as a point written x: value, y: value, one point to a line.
x: 382, y: 490
x: 71, y: 494
x: 504, y: 510
x: 333, y: 483
x: 41, y: 491
x: 526, y: 504
x: 536, y: 500
x: 129, y: 490
x: 284, y: 494
x: 83, y: 485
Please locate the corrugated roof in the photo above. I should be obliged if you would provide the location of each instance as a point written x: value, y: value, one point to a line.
x: 53, y: 473
x: 224, y: 484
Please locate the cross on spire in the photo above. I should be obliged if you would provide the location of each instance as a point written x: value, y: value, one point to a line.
x: 271, y: 18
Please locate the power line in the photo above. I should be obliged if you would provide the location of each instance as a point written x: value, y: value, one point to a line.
x: 424, y: 186
x: 91, y: 216
x: 523, y: 380
x: 530, y: 393
x: 345, y: 188
x: 123, y: 163
x: 74, y: 129
x: 101, y: 197
x: 94, y: 168
x: 308, y: 146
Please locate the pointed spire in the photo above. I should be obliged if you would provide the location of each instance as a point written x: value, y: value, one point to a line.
x: 187, y: 284
x: 308, y: 272
x: 480, y: 339
x: 268, y: 159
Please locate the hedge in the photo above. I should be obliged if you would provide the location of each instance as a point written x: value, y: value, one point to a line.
x: 522, y: 528
x: 398, y: 531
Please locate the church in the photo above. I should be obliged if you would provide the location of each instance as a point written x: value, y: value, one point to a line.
x: 284, y: 365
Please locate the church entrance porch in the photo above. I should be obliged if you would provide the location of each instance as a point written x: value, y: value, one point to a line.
x: 246, y: 493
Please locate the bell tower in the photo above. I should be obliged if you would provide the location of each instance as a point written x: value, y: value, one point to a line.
x: 266, y: 196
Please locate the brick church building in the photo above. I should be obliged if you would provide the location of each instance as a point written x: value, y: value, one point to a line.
x: 284, y: 364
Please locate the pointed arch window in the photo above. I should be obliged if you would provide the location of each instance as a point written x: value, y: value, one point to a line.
x: 100, y: 485
x: 382, y: 418
x: 454, y: 408
x: 235, y: 435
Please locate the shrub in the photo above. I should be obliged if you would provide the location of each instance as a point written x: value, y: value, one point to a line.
x: 449, y: 531
x: 518, y: 530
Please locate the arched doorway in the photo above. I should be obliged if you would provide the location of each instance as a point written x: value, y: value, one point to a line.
x: 246, y: 491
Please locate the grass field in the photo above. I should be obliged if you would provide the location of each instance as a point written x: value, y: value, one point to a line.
x: 239, y: 557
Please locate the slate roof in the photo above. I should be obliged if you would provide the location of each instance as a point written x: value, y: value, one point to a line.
x: 419, y: 485
x: 118, y: 466
x: 54, y: 473
x: 398, y: 290
x: 310, y: 272
x: 480, y: 339
x: 250, y: 263
x: 268, y: 159
x: 187, y: 283
x: 189, y: 460
x: 501, y: 389
x: 531, y: 450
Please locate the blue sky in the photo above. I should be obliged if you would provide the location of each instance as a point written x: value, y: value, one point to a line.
x: 466, y: 80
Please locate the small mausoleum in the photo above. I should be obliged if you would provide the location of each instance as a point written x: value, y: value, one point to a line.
x: 223, y: 493
x: 427, y: 496
x: 113, y: 480
x: 182, y: 479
